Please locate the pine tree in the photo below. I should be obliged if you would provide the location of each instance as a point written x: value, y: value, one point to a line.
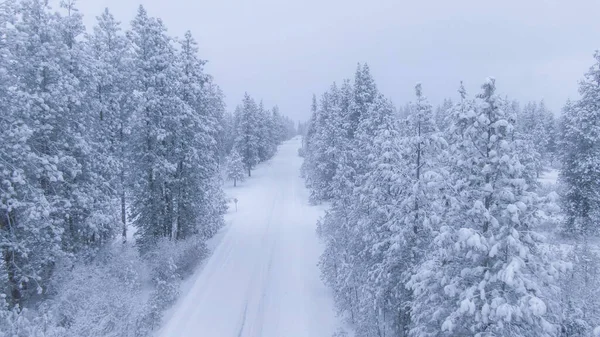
x: 229, y: 134
x: 235, y: 168
x: 421, y: 197
x: 327, y: 141
x: 441, y: 114
x: 535, y: 129
x: 279, y: 128
x: 365, y: 92
x: 339, y: 258
x: 338, y: 143
x: 580, y: 287
x: 38, y: 212
x: 247, y: 142
x: 213, y: 107
x: 544, y: 132
x: 155, y: 120
x: 195, y: 149
x: 550, y: 137
x: 264, y: 127
x: 308, y: 145
x: 24, y: 209
x: 580, y: 157
x: 376, y: 215
x: 91, y: 221
x: 108, y: 102
x: 485, y: 274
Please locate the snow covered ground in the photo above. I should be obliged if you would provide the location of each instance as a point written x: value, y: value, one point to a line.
x: 262, y: 279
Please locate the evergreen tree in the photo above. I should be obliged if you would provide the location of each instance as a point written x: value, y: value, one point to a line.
x: 364, y: 94
x: 229, y: 134
x: 93, y: 203
x: 195, y: 149
x: 580, y: 157
x: 580, y: 287
x: 485, y: 274
x: 421, y: 197
x: 264, y: 127
x: 376, y: 220
x: 340, y: 256
x: 535, y: 126
x: 29, y: 238
x: 108, y: 98
x: 279, y: 127
x: 441, y: 114
x: 247, y: 142
x: 550, y: 137
x: 235, y: 168
x: 347, y: 261
x: 156, y: 120
x: 308, y: 145
x: 213, y: 107
x: 545, y: 133
x: 328, y: 141
x: 39, y: 206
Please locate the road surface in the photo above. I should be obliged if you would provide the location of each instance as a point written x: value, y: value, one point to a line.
x: 262, y: 279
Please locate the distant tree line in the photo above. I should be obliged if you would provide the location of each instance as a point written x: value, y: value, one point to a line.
x: 252, y: 136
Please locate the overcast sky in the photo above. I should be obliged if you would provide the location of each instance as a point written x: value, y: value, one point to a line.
x: 284, y: 51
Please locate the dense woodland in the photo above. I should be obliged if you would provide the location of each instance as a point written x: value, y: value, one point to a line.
x: 115, y: 145
x: 102, y: 133
x: 437, y: 223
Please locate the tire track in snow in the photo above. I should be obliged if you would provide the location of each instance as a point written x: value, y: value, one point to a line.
x: 243, y: 323
x: 259, y: 273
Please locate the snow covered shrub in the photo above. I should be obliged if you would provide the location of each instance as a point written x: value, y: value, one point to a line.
x: 340, y: 333
x: 190, y: 253
x: 169, y: 263
x: 580, y: 291
x: 25, y: 323
x: 552, y: 216
x: 117, y: 293
x: 100, y: 297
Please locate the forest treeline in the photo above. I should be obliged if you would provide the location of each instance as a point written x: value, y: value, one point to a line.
x: 437, y: 224
x: 103, y: 132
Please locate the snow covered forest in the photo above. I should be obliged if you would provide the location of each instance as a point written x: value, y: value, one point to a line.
x: 438, y: 223
x: 113, y: 150
x: 134, y: 202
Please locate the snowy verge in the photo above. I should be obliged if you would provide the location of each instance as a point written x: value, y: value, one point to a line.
x: 118, y: 292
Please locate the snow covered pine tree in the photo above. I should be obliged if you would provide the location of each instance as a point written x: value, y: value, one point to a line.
x: 485, y: 274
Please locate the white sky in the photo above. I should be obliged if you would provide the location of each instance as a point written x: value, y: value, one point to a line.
x: 284, y: 51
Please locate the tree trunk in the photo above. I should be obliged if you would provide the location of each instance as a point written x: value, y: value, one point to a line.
x: 178, y: 204
x: 234, y: 182
x: 169, y: 230
x: 122, y: 177
x: 123, y: 213
x: 7, y: 221
x: 416, y: 226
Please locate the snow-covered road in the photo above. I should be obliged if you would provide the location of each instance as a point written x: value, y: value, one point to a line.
x: 262, y: 280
